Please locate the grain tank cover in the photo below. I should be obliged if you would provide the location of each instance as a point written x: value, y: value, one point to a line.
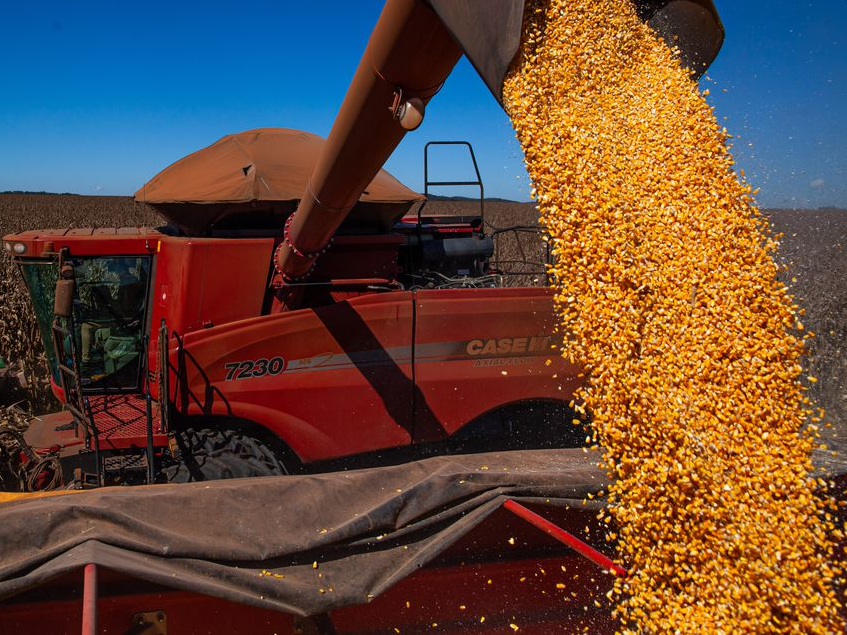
x: 254, y: 179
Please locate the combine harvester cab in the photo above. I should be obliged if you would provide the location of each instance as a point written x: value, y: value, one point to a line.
x: 262, y: 333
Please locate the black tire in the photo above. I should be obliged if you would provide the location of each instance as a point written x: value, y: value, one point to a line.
x: 523, y: 426
x: 208, y: 454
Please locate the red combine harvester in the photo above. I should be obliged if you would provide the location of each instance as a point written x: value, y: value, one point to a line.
x: 294, y: 317
x: 289, y: 314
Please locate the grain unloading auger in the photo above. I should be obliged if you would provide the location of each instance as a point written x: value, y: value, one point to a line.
x: 413, y: 49
x: 292, y: 313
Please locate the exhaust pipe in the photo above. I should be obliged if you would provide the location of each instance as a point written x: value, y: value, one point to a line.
x: 413, y: 49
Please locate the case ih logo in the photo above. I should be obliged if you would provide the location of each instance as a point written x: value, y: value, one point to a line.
x: 509, y: 346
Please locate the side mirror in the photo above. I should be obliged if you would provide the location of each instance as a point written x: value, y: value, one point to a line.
x: 63, y: 306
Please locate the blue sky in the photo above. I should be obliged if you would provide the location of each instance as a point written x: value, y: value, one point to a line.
x: 96, y: 97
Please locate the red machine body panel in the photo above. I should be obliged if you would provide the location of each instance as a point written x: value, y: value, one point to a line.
x: 201, y: 282
x: 344, y: 385
x: 416, y: 366
x: 86, y: 241
x: 359, y: 369
x: 500, y: 343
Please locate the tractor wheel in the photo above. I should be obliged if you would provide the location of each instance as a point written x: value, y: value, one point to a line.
x: 211, y: 454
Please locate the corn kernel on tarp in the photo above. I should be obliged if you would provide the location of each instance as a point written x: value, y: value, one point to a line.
x: 667, y: 291
x: 11, y: 497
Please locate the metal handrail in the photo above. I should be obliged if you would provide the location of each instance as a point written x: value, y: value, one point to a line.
x: 164, y: 378
x: 428, y: 183
x: 148, y: 411
x: 542, y: 268
x: 565, y: 537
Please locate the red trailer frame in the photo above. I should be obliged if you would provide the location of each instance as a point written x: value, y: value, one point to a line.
x: 555, y: 592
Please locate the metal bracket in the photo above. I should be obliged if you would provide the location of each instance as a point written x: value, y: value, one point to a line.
x: 85, y: 480
x: 551, y: 529
x: 320, y: 624
x: 149, y: 623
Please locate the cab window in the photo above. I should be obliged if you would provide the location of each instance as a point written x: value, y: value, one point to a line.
x: 109, y: 315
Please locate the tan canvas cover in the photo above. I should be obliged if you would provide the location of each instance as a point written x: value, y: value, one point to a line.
x: 367, y: 528
x: 256, y: 169
x: 266, y: 164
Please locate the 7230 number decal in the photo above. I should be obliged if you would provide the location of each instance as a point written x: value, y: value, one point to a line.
x: 254, y: 368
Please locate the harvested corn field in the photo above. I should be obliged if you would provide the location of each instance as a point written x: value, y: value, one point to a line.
x: 668, y: 291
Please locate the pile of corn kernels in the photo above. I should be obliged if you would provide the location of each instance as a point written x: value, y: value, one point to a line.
x: 667, y: 291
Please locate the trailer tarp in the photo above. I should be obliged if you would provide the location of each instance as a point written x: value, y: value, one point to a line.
x: 276, y: 542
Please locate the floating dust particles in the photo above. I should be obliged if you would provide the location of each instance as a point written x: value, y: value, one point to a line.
x: 666, y: 287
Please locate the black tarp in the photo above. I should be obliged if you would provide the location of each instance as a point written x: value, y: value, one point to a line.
x: 365, y: 529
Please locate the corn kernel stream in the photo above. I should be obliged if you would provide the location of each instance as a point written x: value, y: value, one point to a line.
x: 666, y: 288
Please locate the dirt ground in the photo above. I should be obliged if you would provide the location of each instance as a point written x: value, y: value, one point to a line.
x: 814, y: 251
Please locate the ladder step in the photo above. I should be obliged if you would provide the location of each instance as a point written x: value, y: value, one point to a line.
x: 77, y: 413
